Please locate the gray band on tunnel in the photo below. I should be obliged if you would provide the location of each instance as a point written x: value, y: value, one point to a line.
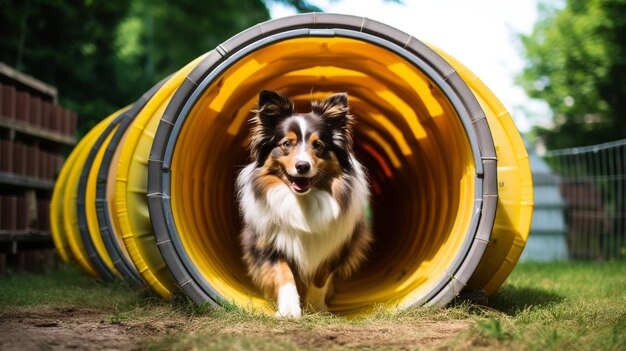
x: 126, y: 268
x: 95, y: 258
x: 120, y: 260
x: 421, y: 56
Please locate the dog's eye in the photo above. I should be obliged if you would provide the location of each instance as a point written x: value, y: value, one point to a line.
x: 318, y: 145
x: 287, y: 144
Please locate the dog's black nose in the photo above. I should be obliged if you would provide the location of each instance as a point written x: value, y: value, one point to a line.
x: 302, y: 167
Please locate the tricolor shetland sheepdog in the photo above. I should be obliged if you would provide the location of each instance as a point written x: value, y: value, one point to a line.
x: 302, y: 200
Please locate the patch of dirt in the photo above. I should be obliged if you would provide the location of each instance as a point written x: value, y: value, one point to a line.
x: 89, y: 329
x: 71, y: 329
x: 387, y: 335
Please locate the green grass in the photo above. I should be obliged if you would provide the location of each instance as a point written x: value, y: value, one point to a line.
x: 65, y: 286
x: 580, y: 306
x: 558, y: 306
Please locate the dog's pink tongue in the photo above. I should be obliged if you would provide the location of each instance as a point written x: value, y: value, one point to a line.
x: 301, y: 184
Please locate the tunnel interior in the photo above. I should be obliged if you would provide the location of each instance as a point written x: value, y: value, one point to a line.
x: 408, y: 135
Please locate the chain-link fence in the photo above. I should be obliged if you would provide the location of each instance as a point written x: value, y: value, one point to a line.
x: 592, y: 183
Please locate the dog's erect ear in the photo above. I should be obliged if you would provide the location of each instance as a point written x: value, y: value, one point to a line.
x: 273, y: 105
x: 339, y: 100
x: 334, y: 110
x: 271, y: 109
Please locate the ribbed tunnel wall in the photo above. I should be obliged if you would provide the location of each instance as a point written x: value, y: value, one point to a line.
x: 451, y: 186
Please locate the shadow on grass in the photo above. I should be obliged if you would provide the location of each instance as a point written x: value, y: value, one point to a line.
x: 513, y: 300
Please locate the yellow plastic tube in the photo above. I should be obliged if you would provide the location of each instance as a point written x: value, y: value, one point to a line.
x: 64, y: 219
x: 515, y: 188
x: 129, y: 202
x: 110, y: 211
x: 451, y: 186
x: 88, y: 225
x: 57, y: 216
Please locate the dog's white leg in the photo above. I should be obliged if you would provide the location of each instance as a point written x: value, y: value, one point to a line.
x: 287, y: 298
x: 317, y: 296
x: 288, y: 301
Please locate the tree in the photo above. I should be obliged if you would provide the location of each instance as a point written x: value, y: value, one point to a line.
x: 576, y: 62
x: 158, y: 37
x: 300, y: 5
x: 66, y: 44
x: 102, y: 55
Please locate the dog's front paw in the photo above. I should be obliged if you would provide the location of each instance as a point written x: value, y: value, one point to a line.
x: 289, y: 311
x: 288, y: 302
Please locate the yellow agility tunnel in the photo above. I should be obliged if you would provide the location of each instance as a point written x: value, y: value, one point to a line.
x: 148, y: 196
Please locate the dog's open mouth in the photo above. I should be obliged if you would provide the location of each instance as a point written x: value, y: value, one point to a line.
x: 300, y: 184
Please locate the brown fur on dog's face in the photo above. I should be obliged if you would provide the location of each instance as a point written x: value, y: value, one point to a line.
x: 303, y: 150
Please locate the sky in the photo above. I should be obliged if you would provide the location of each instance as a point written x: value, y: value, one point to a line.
x: 481, y: 34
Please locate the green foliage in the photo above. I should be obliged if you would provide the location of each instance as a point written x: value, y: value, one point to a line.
x: 158, y: 37
x: 103, y: 55
x: 69, y: 45
x: 300, y: 5
x: 576, y: 61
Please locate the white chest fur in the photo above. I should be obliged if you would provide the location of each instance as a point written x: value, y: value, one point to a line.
x: 306, y: 228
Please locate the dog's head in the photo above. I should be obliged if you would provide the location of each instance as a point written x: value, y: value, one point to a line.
x: 303, y: 150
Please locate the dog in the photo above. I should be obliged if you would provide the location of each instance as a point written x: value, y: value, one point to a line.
x: 302, y: 200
